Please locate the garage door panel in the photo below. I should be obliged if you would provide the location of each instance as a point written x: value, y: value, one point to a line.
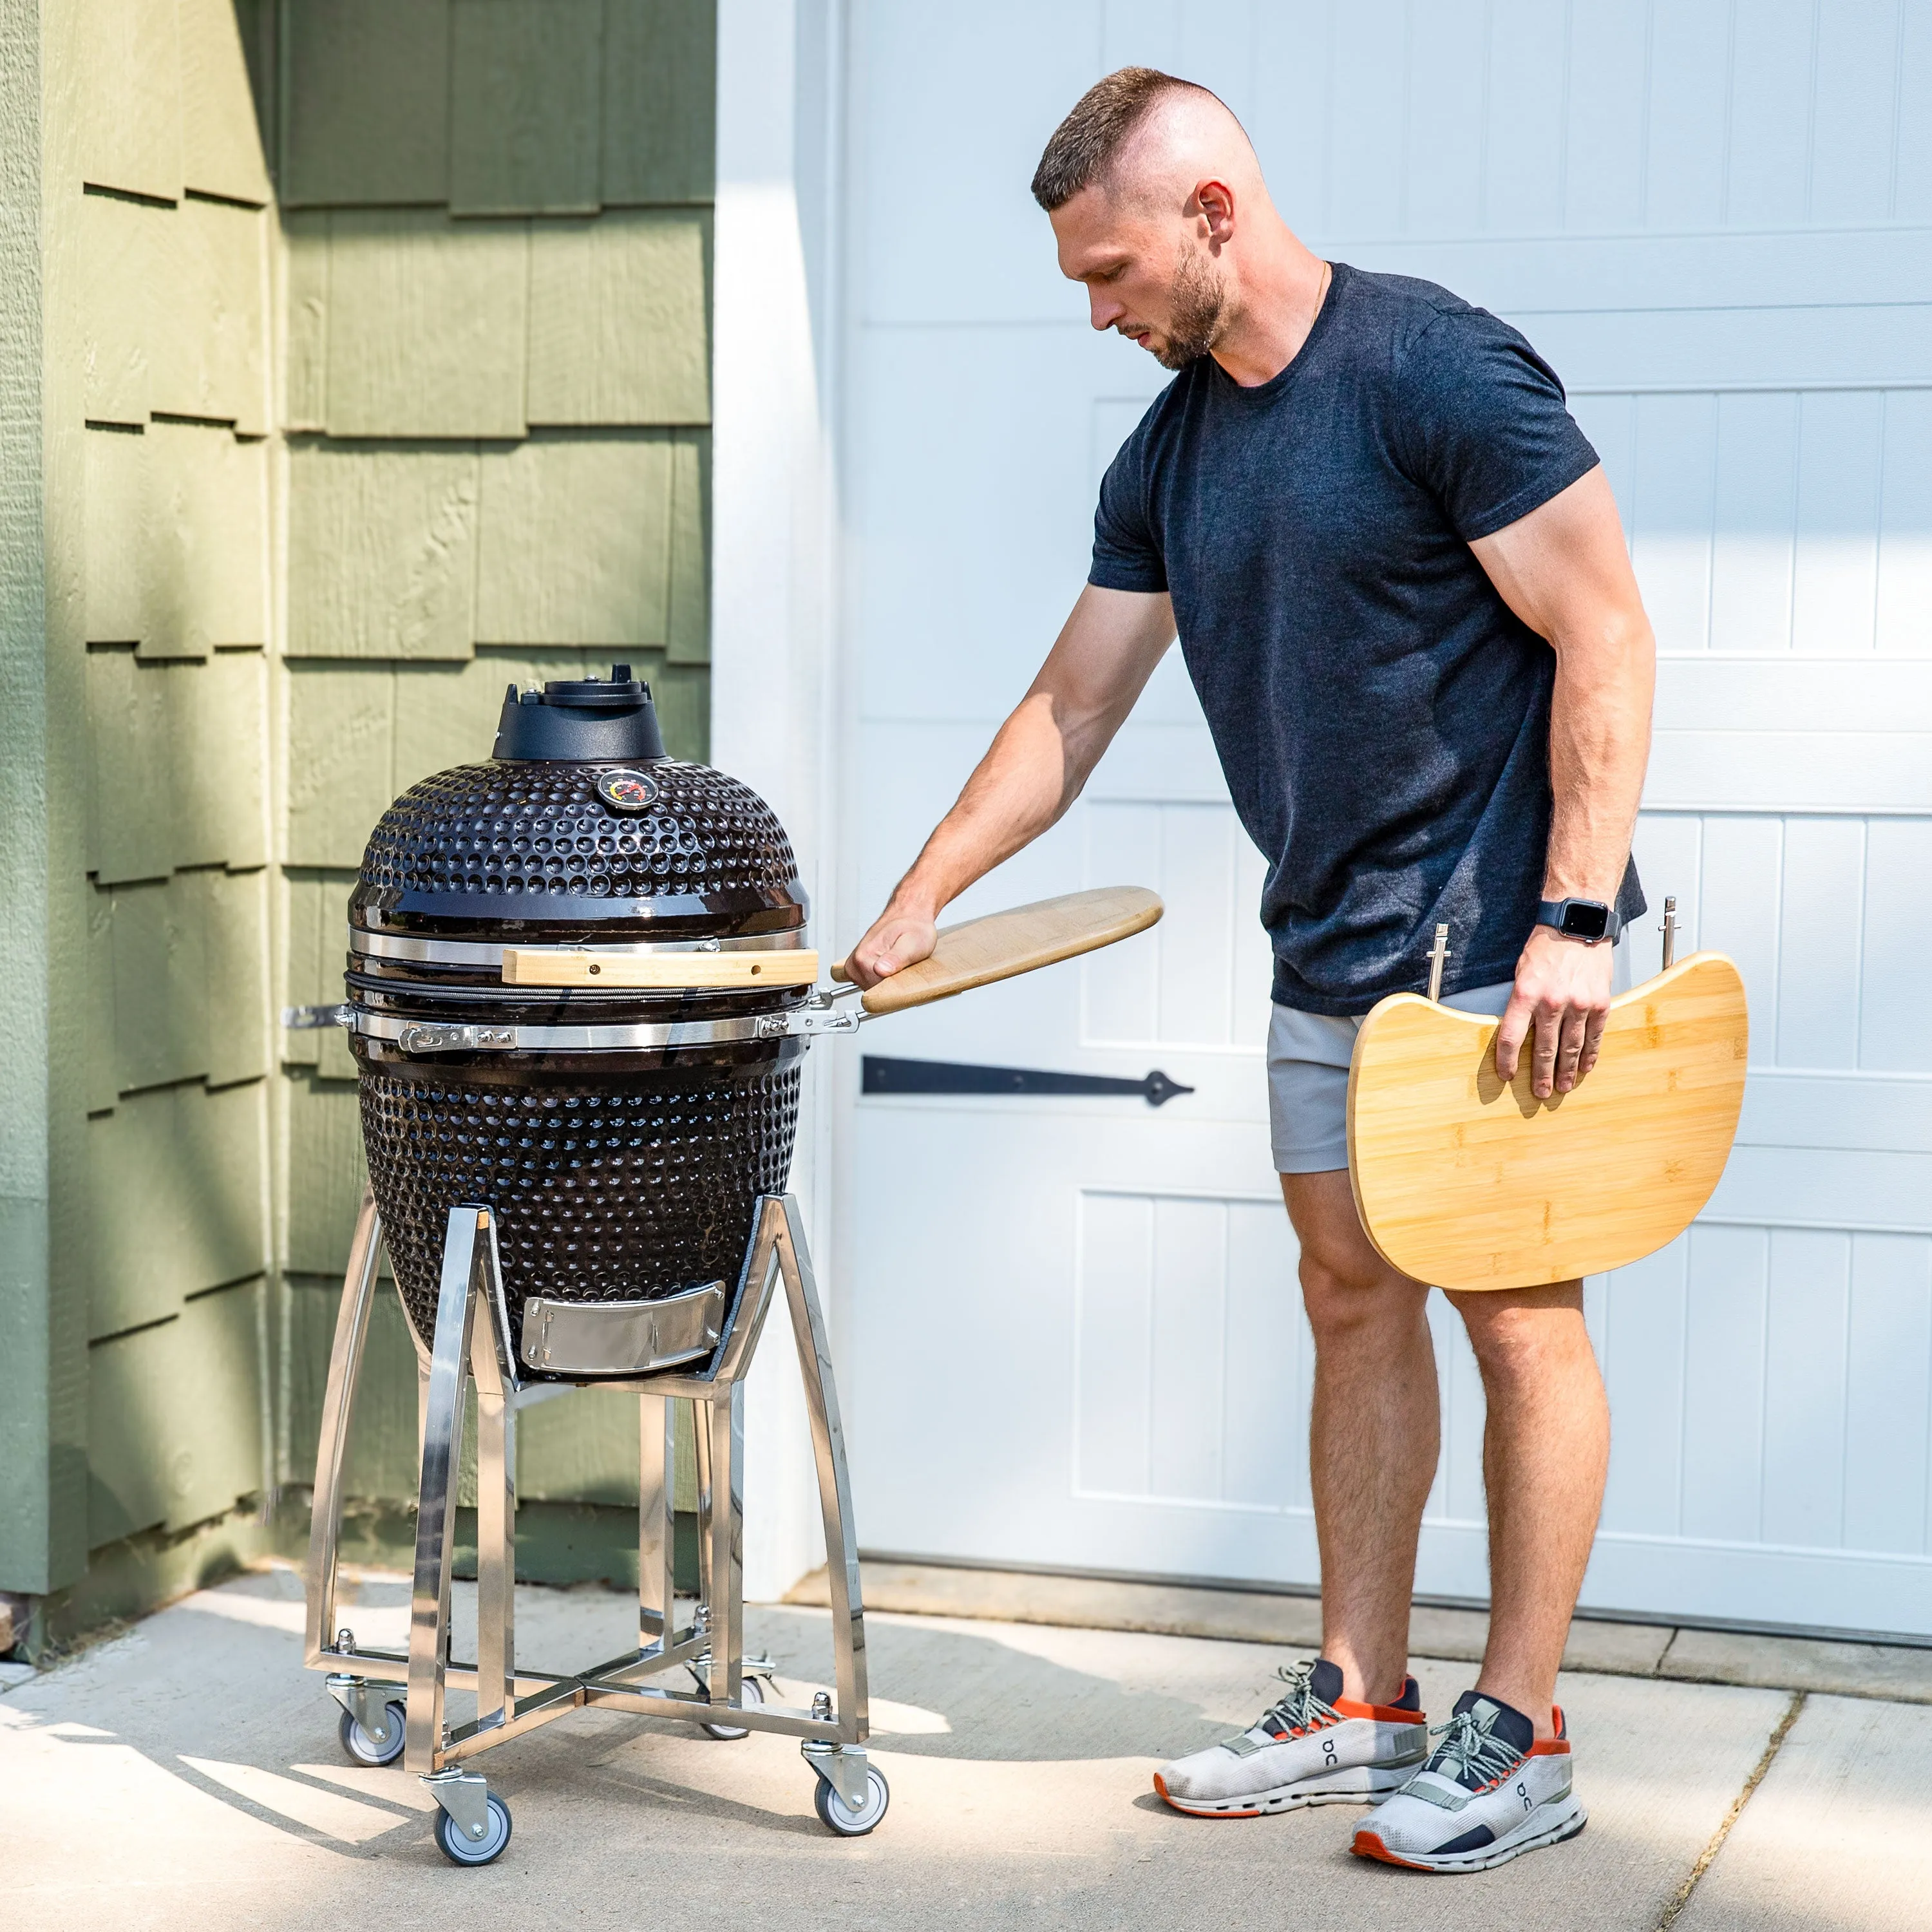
x: 1723, y: 242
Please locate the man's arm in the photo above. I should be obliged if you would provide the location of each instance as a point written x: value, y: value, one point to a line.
x: 1104, y: 655
x: 1563, y: 569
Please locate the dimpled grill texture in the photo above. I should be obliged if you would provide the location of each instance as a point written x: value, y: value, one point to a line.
x: 630, y: 1190
x: 532, y: 828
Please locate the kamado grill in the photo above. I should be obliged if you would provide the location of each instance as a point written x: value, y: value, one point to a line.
x: 580, y: 998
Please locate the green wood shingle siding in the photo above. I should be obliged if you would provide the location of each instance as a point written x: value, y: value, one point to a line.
x: 287, y: 586
x: 537, y: 105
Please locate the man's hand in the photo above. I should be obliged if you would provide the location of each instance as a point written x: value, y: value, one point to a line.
x: 899, y: 937
x: 1562, y: 989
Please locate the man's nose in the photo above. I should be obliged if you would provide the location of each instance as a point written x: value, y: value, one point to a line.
x: 1104, y: 312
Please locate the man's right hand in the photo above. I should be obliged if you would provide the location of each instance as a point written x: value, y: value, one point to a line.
x: 898, y: 938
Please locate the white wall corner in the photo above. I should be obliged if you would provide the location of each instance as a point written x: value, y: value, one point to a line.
x: 773, y: 524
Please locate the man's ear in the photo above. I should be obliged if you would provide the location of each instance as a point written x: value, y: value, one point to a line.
x: 1216, y: 201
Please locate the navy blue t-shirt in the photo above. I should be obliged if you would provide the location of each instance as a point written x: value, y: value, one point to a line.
x: 1382, y: 716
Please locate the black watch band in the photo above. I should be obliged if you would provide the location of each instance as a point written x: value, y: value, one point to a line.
x: 1589, y: 920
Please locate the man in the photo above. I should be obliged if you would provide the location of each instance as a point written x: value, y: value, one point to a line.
x: 1402, y: 594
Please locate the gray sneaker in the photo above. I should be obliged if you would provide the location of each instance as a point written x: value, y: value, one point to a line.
x: 1489, y: 1793
x: 1314, y: 1747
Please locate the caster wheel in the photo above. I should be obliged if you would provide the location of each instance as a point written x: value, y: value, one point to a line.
x: 460, y: 1849
x: 837, y: 1815
x: 366, y: 1750
x: 752, y: 1692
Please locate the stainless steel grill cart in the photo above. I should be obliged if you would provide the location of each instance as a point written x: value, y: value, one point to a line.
x: 393, y: 1702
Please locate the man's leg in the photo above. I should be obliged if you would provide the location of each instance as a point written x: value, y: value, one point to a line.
x: 1374, y: 1436
x: 1546, y: 1448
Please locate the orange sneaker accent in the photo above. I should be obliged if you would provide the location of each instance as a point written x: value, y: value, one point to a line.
x: 1368, y: 1846
x: 1187, y: 1811
x: 1386, y: 1713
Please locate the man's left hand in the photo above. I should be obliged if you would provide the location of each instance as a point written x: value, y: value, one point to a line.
x: 1562, y: 990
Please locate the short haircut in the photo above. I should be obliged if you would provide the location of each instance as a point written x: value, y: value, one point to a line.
x: 1085, y: 145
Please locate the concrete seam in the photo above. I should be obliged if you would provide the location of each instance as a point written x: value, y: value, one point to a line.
x: 1663, y: 1656
x: 1773, y: 1745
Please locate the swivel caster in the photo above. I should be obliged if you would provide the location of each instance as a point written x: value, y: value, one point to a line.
x: 750, y: 1691
x: 460, y: 1848
x: 837, y: 1815
x: 372, y: 1747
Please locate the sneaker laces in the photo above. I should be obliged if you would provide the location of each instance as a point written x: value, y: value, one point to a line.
x: 1300, y: 1710
x: 1471, y: 1753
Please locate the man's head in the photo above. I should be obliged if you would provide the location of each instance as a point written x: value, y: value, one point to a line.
x: 1149, y: 182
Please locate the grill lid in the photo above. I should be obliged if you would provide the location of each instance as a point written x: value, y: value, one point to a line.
x: 582, y: 720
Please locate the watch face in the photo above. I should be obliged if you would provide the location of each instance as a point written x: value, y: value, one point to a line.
x: 1584, y: 919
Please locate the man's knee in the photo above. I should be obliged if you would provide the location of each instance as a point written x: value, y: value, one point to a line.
x: 1517, y: 1335
x: 1348, y: 1295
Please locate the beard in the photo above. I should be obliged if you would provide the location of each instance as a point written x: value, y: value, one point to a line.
x: 1199, y: 299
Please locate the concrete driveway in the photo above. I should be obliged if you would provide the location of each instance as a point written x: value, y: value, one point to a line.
x: 187, y: 1775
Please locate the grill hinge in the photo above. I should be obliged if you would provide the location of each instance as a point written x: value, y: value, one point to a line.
x: 822, y: 1013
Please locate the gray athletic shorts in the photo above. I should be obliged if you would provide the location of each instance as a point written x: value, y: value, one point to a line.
x: 1308, y: 1056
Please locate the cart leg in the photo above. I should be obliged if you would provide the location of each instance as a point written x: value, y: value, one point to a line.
x: 657, y: 1522
x: 345, y: 1370
x: 436, y: 1515
x: 495, y: 1497
x: 722, y: 1421
x: 835, y: 1486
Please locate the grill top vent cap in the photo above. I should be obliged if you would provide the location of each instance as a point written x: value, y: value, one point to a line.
x: 585, y: 720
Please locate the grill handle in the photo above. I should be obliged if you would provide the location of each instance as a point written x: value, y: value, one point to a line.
x: 977, y: 951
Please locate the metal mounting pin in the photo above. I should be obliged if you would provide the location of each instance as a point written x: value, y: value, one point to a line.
x: 1437, y: 957
x: 1669, y: 931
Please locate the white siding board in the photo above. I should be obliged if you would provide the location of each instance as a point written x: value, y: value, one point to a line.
x: 1771, y: 107
x: 1445, y: 84
x: 1739, y: 908
x: 1188, y: 1337
x: 1820, y: 921
x: 1904, y: 597
x: 1525, y: 98
x: 1684, y: 157
x: 1643, y: 1367
x: 1753, y: 513
x: 1608, y: 82
x: 1835, y: 581
x: 1724, y: 1376
x: 1670, y: 515
x: 1365, y: 187
x: 1911, y: 167
x: 1887, y: 1429
x: 1810, y: 1286
x: 1114, y: 1348
x: 1893, y: 1034
x: 1799, y: 1109
x: 1854, y: 128
x: 1264, y: 1419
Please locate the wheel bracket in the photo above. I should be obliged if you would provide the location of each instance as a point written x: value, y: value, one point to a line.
x: 843, y: 1767
x: 464, y: 1794
x: 368, y: 1704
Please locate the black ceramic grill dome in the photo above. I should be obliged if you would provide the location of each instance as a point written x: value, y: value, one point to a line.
x: 617, y: 1172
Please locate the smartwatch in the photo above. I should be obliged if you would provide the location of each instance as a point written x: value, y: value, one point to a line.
x: 1589, y: 920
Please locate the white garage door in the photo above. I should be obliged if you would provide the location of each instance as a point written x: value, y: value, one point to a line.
x: 1072, y: 1336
